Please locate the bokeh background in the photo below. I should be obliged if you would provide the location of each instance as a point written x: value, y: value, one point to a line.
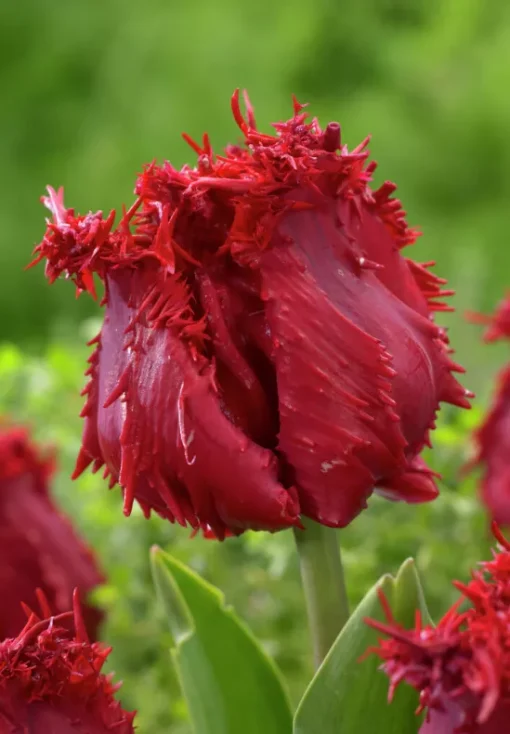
x: 90, y: 92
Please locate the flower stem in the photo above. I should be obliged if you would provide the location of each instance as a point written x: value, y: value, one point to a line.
x: 323, y: 583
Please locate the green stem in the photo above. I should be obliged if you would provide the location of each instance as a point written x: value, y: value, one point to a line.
x: 323, y: 583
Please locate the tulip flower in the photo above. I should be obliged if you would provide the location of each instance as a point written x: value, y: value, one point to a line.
x: 492, y: 438
x: 461, y: 667
x: 267, y: 351
x: 51, y: 680
x: 38, y: 545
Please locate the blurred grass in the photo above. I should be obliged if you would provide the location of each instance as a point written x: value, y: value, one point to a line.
x: 91, y: 91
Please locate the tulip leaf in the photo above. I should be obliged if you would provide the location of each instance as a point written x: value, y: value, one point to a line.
x: 229, y: 682
x: 347, y: 695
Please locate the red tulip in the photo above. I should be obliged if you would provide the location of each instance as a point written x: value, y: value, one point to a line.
x: 38, y: 545
x: 492, y: 438
x: 266, y: 350
x: 51, y: 681
x: 493, y: 449
x: 461, y: 668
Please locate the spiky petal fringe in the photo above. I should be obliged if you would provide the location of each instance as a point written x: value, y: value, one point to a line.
x: 461, y: 668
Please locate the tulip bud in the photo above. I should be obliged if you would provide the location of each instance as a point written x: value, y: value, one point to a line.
x: 267, y: 351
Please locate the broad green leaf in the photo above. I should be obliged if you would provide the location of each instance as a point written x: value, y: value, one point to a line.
x: 351, y: 697
x: 230, y: 684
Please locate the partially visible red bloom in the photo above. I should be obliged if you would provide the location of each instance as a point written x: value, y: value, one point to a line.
x: 498, y: 325
x: 38, y: 545
x: 51, y: 680
x: 461, y: 668
x: 492, y: 438
x: 267, y: 351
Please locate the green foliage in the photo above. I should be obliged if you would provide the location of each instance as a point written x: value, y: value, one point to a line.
x: 348, y: 695
x: 230, y: 683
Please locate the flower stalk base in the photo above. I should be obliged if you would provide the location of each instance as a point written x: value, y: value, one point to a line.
x: 323, y: 584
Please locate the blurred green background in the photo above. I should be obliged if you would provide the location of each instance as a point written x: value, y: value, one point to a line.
x: 91, y: 91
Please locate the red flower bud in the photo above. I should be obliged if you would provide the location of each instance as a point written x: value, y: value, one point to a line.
x: 492, y: 438
x: 266, y: 350
x: 461, y: 668
x: 39, y: 548
x: 51, y: 681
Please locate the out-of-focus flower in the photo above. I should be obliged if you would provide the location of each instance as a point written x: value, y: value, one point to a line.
x: 498, y: 324
x: 266, y: 350
x: 461, y: 668
x: 51, y: 680
x: 38, y: 546
x: 492, y: 438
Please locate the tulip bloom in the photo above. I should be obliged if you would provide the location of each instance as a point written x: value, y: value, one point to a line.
x: 492, y: 439
x: 461, y: 667
x: 267, y: 351
x: 38, y: 546
x: 51, y: 681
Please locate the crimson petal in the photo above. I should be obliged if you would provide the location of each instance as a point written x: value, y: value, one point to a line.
x: 493, y: 443
x: 162, y: 429
x: 348, y: 418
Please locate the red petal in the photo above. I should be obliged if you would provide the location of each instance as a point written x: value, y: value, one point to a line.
x: 38, y: 545
x: 165, y: 435
x: 377, y: 244
x: 493, y: 441
x: 359, y: 372
x: 414, y: 483
x: 245, y: 400
x: 446, y: 721
x: 453, y: 719
x: 331, y: 414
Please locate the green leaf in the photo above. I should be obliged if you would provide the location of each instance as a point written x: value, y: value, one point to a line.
x: 347, y: 696
x: 230, y: 684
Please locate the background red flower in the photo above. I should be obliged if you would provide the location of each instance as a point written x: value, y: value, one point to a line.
x: 39, y: 549
x: 51, y: 680
x: 461, y: 668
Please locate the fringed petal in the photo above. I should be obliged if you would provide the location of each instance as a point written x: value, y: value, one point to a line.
x: 460, y: 667
x: 413, y: 483
x: 51, y: 680
x: 163, y: 431
x: 358, y: 372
